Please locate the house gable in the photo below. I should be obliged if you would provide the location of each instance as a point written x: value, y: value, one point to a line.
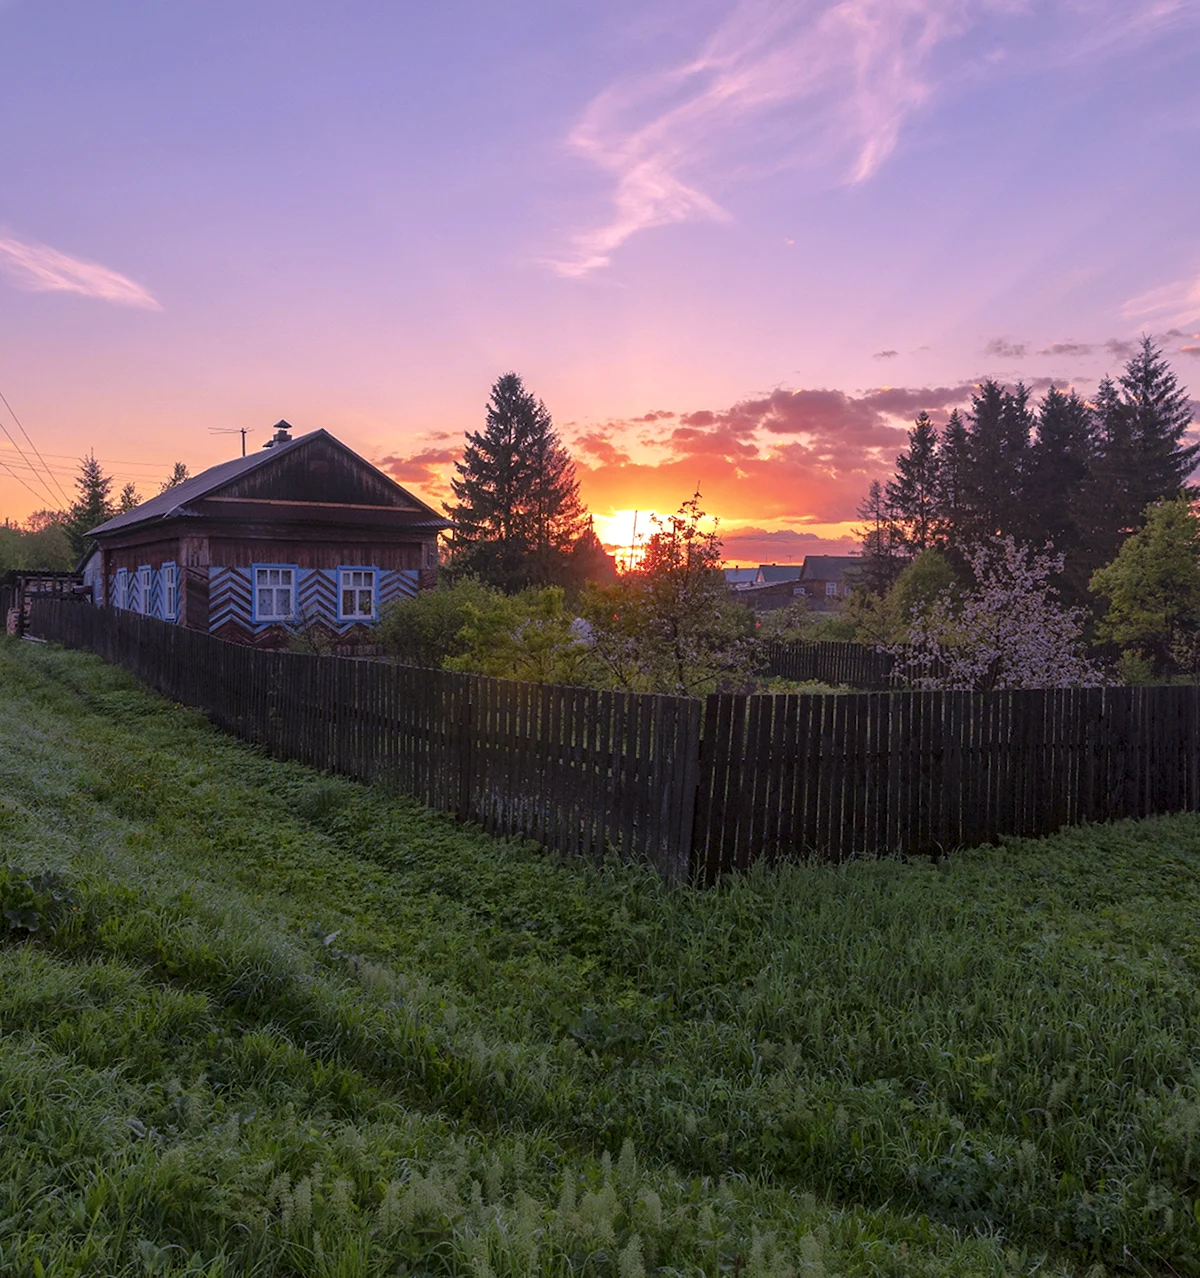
x: 319, y: 470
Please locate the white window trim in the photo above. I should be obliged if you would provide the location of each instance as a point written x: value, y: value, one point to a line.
x: 145, y: 588
x: 358, y: 616
x: 170, y: 592
x: 258, y: 617
x: 121, y: 588
x: 831, y: 589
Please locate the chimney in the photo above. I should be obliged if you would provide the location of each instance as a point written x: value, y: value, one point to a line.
x: 281, y: 435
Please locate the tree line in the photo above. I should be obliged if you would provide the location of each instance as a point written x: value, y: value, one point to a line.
x: 56, y: 540
x: 1075, y: 474
x: 1090, y: 500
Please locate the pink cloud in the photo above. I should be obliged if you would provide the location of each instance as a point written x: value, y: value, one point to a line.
x: 41, y: 269
x: 425, y: 468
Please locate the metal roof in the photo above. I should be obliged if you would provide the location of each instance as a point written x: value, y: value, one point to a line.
x: 173, y: 502
x: 828, y: 567
x: 168, y: 503
x: 768, y: 573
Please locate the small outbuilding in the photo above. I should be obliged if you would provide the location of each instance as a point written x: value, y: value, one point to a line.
x: 302, y: 535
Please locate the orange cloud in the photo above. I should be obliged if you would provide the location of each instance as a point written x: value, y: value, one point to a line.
x: 601, y: 447
x: 805, y: 456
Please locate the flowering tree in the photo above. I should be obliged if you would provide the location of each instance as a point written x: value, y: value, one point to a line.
x: 1009, y: 631
x: 669, y: 625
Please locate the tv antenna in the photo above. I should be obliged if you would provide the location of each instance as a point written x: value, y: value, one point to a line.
x: 243, y: 431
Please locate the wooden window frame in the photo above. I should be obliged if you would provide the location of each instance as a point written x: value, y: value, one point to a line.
x: 343, y: 570
x: 256, y: 613
x: 170, y: 595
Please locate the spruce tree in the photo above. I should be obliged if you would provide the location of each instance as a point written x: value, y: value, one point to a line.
x: 1059, y: 459
x: 129, y: 498
x: 913, y: 494
x: 998, y: 441
x: 1138, y: 456
x: 954, y: 465
x: 179, y: 474
x: 1159, y: 416
x: 93, y: 505
x: 518, y: 511
x: 882, y: 539
x: 590, y: 562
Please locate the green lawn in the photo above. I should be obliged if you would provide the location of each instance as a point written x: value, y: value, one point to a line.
x: 271, y: 1022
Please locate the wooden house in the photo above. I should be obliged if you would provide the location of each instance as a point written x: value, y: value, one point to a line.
x: 302, y: 535
x: 821, y: 581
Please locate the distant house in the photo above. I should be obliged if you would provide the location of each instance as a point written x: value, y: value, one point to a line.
x: 821, y: 580
x: 740, y: 578
x: 827, y: 578
x: 302, y: 533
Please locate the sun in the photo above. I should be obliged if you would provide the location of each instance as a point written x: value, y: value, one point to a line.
x: 624, y: 532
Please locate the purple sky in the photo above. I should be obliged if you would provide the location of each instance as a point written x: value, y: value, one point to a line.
x: 733, y: 245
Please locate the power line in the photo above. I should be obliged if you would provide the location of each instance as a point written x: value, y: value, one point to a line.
x: 32, y: 467
x: 56, y: 468
x: 33, y: 446
x: 18, y: 478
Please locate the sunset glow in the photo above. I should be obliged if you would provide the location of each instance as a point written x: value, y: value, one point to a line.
x: 624, y: 533
x: 734, y: 247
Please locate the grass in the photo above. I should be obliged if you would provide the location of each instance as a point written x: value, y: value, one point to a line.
x: 269, y: 1022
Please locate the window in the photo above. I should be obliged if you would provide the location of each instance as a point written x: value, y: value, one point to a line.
x: 356, y: 594
x: 144, y: 589
x: 169, y: 600
x: 799, y: 590
x: 831, y: 587
x: 274, y: 594
x: 121, y: 588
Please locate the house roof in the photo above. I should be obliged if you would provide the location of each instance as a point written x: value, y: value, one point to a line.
x: 770, y: 573
x: 175, y: 502
x: 828, y: 567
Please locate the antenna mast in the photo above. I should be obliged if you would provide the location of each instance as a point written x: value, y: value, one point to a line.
x: 243, y: 431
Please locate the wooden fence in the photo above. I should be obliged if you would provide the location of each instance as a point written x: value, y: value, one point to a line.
x: 857, y: 665
x: 696, y: 787
x: 853, y: 664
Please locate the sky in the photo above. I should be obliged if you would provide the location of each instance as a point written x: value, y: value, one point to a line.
x: 733, y: 246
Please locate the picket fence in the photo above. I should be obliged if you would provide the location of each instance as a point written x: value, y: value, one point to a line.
x: 697, y: 787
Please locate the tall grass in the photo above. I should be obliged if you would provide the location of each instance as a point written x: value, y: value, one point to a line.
x: 289, y: 1025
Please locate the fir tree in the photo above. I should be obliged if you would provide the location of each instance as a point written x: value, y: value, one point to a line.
x: 953, y: 471
x: 93, y: 505
x: 1059, y: 460
x: 129, y: 498
x: 518, y: 511
x: 1159, y: 416
x: 590, y: 562
x: 882, y: 540
x: 998, y: 441
x: 1138, y: 458
x: 914, y: 494
x: 179, y: 474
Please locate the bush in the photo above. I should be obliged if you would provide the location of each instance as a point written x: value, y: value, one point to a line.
x: 427, y: 629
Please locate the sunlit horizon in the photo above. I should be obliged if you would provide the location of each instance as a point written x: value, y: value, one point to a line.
x: 749, y: 279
